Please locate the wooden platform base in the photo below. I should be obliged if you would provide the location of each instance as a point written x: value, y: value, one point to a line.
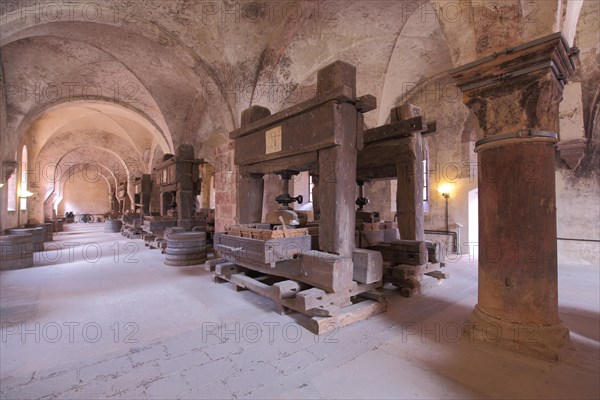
x: 131, y: 232
x: 154, y: 242
x: 327, y: 311
x: 414, y: 279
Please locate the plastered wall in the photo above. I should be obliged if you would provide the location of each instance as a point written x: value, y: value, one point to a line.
x: 83, y: 195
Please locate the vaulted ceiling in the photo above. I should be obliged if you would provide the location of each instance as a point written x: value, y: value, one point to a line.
x: 136, y: 79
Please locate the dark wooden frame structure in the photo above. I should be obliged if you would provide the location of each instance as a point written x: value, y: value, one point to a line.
x: 321, y: 135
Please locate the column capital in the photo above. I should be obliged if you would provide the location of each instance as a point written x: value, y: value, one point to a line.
x: 518, y: 88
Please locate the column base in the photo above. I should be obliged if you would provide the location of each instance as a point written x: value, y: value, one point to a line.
x: 547, y: 342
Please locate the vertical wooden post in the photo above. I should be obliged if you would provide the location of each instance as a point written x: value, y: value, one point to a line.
x: 337, y: 167
x: 250, y: 197
x: 251, y: 186
x: 185, y: 185
x: 409, y: 194
x: 315, y: 196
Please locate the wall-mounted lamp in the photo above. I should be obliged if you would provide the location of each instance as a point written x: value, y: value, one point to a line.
x: 445, y: 189
x: 1, y: 184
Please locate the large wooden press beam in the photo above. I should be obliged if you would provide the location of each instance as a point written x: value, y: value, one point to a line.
x: 180, y: 174
x: 385, y: 145
x: 396, y: 151
x: 321, y: 134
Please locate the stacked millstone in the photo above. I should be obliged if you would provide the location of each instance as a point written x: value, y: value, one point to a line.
x: 47, y: 227
x: 185, y: 248
x: 112, y: 226
x: 16, y: 251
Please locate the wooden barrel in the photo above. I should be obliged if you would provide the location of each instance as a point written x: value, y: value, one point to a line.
x: 16, y: 251
x: 47, y: 227
x: 185, y: 248
x: 37, y: 236
x: 112, y: 226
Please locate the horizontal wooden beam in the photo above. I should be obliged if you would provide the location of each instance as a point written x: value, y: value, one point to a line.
x: 342, y: 94
x: 395, y: 130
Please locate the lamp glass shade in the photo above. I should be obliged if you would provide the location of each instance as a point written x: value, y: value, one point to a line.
x: 445, y: 188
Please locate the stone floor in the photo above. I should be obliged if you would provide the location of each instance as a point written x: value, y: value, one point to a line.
x: 104, y: 318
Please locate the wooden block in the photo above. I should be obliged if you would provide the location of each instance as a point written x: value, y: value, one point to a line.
x: 428, y: 283
x: 368, y: 266
x: 367, y: 217
x: 406, y: 272
x: 252, y: 284
x: 289, y: 217
x: 310, y: 298
x: 260, y: 251
x: 405, y: 111
x: 210, y: 264
x: 347, y: 316
x: 412, y: 252
x: 433, y: 250
x: 329, y: 271
x: 226, y: 268
x: 335, y: 75
x: 372, y: 238
x: 366, y: 103
x: 253, y: 114
x: 315, y: 302
x: 390, y: 235
x: 438, y: 274
x: 287, y: 289
x: 308, y: 215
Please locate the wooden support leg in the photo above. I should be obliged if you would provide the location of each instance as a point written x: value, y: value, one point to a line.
x: 337, y: 183
x: 250, y: 198
x: 315, y: 197
x: 409, y: 197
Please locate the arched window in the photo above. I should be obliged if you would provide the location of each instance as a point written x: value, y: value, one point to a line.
x: 212, y: 197
x: 23, y: 189
x: 12, y: 191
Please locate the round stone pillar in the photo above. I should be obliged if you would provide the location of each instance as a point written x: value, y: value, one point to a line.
x: 518, y: 283
x: 515, y: 96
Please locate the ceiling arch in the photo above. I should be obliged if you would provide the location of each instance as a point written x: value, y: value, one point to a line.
x: 127, y: 123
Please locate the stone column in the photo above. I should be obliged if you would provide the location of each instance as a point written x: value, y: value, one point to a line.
x: 515, y: 97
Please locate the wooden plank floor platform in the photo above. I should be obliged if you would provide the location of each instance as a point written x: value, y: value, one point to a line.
x: 327, y: 311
